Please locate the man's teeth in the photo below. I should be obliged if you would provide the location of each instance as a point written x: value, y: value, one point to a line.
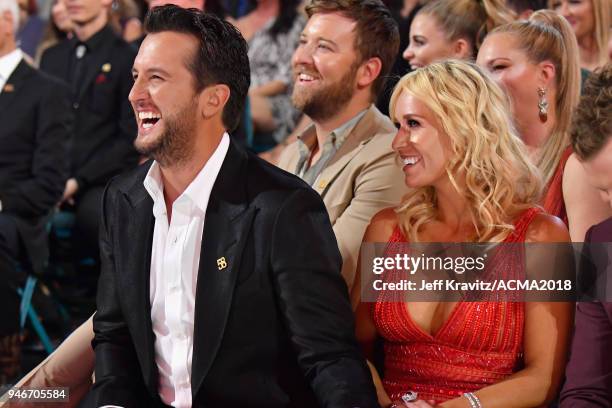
x: 148, y: 115
x: 147, y: 125
x: 410, y: 160
x: 306, y: 77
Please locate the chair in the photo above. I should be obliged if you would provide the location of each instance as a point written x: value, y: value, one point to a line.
x: 27, y: 310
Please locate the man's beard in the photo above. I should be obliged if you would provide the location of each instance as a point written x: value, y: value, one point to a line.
x: 326, y: 102
x: 175, y: 144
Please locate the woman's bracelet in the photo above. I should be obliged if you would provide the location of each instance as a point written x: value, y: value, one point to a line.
x: 473, y: 399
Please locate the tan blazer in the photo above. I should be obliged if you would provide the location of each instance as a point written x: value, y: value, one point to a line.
x: 361, y: 179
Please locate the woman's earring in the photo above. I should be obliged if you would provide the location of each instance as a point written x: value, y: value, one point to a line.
x: 542, y: 105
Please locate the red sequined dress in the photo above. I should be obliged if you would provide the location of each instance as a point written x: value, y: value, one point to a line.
x: 478, y: 345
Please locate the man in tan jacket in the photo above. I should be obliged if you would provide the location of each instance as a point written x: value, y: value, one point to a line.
x: 345, y: 53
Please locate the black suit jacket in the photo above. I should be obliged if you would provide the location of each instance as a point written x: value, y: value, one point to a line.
x: 105, y: 127
x: 272, y: 329
x: 35, y: 127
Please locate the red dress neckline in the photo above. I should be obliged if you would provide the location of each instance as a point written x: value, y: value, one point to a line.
x: 479, y: 343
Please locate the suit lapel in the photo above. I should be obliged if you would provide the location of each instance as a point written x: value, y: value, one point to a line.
x: 14, y: 84
x: 364, y: 130
x: 226, y: 228
x: 140, y: 223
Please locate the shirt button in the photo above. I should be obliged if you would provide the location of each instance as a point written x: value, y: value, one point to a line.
x: 75, y: 105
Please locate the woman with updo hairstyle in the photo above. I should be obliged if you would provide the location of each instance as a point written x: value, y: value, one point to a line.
x: 445, y: 29
x: 536, y: 63
x: 591, y: 21
x: 471, y: 182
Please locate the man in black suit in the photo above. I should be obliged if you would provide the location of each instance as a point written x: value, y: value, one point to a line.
x: 96, y: 63
x: 220, y: 282
x: 35, y: 124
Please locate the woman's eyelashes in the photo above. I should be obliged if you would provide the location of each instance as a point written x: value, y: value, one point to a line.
x: 412, y: 123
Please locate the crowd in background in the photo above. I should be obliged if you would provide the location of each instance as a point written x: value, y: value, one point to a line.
x: 510, y: 72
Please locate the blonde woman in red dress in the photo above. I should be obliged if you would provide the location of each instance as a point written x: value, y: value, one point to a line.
x: 471, y: 181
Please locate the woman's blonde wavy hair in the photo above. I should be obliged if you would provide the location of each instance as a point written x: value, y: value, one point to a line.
x: 472, y: 110
x: 468, y: 19
x: 549, y: 37
x: 602, y: 16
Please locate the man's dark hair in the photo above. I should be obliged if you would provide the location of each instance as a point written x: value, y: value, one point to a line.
x: 221, y: 57
x: 523, y: 5
x: 376, y: 31
x: 592, y: 120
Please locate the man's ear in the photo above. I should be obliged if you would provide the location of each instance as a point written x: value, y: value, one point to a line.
x: 213, y: 99
x: 368, y: 72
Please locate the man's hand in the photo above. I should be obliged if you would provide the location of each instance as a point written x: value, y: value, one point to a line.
x: 71, y: 188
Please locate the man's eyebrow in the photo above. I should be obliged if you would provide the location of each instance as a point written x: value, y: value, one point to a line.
x: 319, y: 38
x: 154, y: 70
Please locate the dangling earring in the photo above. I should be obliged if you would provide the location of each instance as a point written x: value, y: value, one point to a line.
x: 542, y: 105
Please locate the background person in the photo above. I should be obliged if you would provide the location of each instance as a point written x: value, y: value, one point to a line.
x: 536, y: 62
x: 36, y: 129
x: 96, y: 63
x: 445, y: 29
x: 590, y: 21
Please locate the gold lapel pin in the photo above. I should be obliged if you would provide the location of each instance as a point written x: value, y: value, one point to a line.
x: 106, y: 67
x: 9, y: 88
x: 221, y: 263
x: 323, y: 183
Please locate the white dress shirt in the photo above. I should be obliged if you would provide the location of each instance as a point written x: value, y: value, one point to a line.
x: 8, y: 63
x: 174, y: 273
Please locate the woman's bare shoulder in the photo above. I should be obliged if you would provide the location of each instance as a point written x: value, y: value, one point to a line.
x: 547, y: 228
x: 381, y: 226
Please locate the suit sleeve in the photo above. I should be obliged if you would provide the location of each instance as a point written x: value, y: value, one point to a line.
x: 54, y: 120
x: 119, y: 153
x: 380, y: 184
x: 589, y: 371
x: 314, y: 301
x: 118, y: 377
